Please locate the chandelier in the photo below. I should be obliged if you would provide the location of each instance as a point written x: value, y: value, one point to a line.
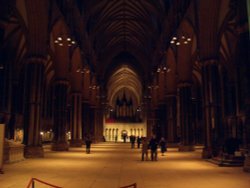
x: 180, y: 40
x: 62, y: 40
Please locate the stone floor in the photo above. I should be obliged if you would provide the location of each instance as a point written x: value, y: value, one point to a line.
x: 111, y: 165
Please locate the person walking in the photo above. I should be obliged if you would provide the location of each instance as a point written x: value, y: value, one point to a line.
x: 88, y: 144
x: 163, y: 146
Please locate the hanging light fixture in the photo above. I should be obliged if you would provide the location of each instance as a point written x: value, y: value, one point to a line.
x: 64, y: 40
x: 180, y: 40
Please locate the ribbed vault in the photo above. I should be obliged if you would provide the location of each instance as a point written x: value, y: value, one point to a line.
x: 124, y: 81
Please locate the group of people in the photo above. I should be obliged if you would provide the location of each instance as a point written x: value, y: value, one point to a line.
x: 152, y: 145
x: 134, y: 139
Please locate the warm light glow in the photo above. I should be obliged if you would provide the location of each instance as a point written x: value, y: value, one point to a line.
x: 41, y: 133
x: 185, y: 42
x: 158, y: 70
x: 188, y: 39
x: 178, y: 43
x: 59, y: 38
x: 172, y: 41
x: 60, y: 44
x: 56, y: 41
x: 68, y: 39
x: 174, y: 38
x: 73, y: 42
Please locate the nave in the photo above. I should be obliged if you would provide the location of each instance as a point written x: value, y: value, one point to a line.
x: 112, y: 165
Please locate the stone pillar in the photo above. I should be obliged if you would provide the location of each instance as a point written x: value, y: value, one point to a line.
x: 98, y: 124
x: 92, y: 117
x: 186, y: 140
x: 247, y: 129
x: 76, y: 120
x: 85, y: 119
x: 60, y: 116
x: 34, y: 80
x: 171, y: 118
x: 211, y: 102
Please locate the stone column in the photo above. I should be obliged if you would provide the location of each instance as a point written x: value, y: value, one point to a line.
x: 85, y: 119
x: 60, y: 116
x: 245, y: 64
x: 211, y: 105
x: 34, y: 80
x: 186, y: 140
x: 92, y: 118
x: 98, y: 124
x: 171, y: 118
x: 76, y: 120
x: 247, y: 129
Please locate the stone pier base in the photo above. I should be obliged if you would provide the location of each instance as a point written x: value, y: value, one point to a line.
x: 33, y: 152
x: 76, y: 143
x: 186, y: 148
x: 60, y: 146
x: 246, y: 166
x: 13, y: 151
x: 207, y: 153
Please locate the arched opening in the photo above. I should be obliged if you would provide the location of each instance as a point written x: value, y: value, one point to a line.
x: 124, y: 111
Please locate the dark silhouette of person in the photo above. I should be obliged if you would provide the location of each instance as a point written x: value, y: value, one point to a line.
x: 153, y: 147
x: 88, y: 144
x: 132, y: 141
x: 138, y: 140
x: 144, y: 148
x: 124, y: 137
x: 163, y: 146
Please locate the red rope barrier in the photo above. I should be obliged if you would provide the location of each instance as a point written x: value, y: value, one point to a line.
x: 30, y: 182
x: 35, y: 179
x: 134, y: 185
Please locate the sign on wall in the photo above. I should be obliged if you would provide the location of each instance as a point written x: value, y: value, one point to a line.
x: 1, y: 146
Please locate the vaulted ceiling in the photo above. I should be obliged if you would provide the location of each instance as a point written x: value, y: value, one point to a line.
x: 134, y: 29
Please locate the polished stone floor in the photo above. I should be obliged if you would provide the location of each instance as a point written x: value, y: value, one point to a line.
x: 112, y: 165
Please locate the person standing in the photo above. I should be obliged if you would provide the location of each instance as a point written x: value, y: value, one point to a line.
x: 138, y: 140
x: 153, y: 147
x: 163, y: 146
x: 132, y: 141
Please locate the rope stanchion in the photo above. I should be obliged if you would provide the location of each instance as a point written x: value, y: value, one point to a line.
x: 134, y: 185
x: 32, y: 183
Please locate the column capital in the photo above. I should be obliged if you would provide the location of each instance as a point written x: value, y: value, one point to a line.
x: 242, y: 28
x: 207, y: 62
x: 184, y: 84
x: 167, y: 96
x: 61, y: 81
x: 35, y: 60
x: 74, y: 93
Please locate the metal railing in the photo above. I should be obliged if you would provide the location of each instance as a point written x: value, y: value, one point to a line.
x: 33, y: 180
x: 134, y: 185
